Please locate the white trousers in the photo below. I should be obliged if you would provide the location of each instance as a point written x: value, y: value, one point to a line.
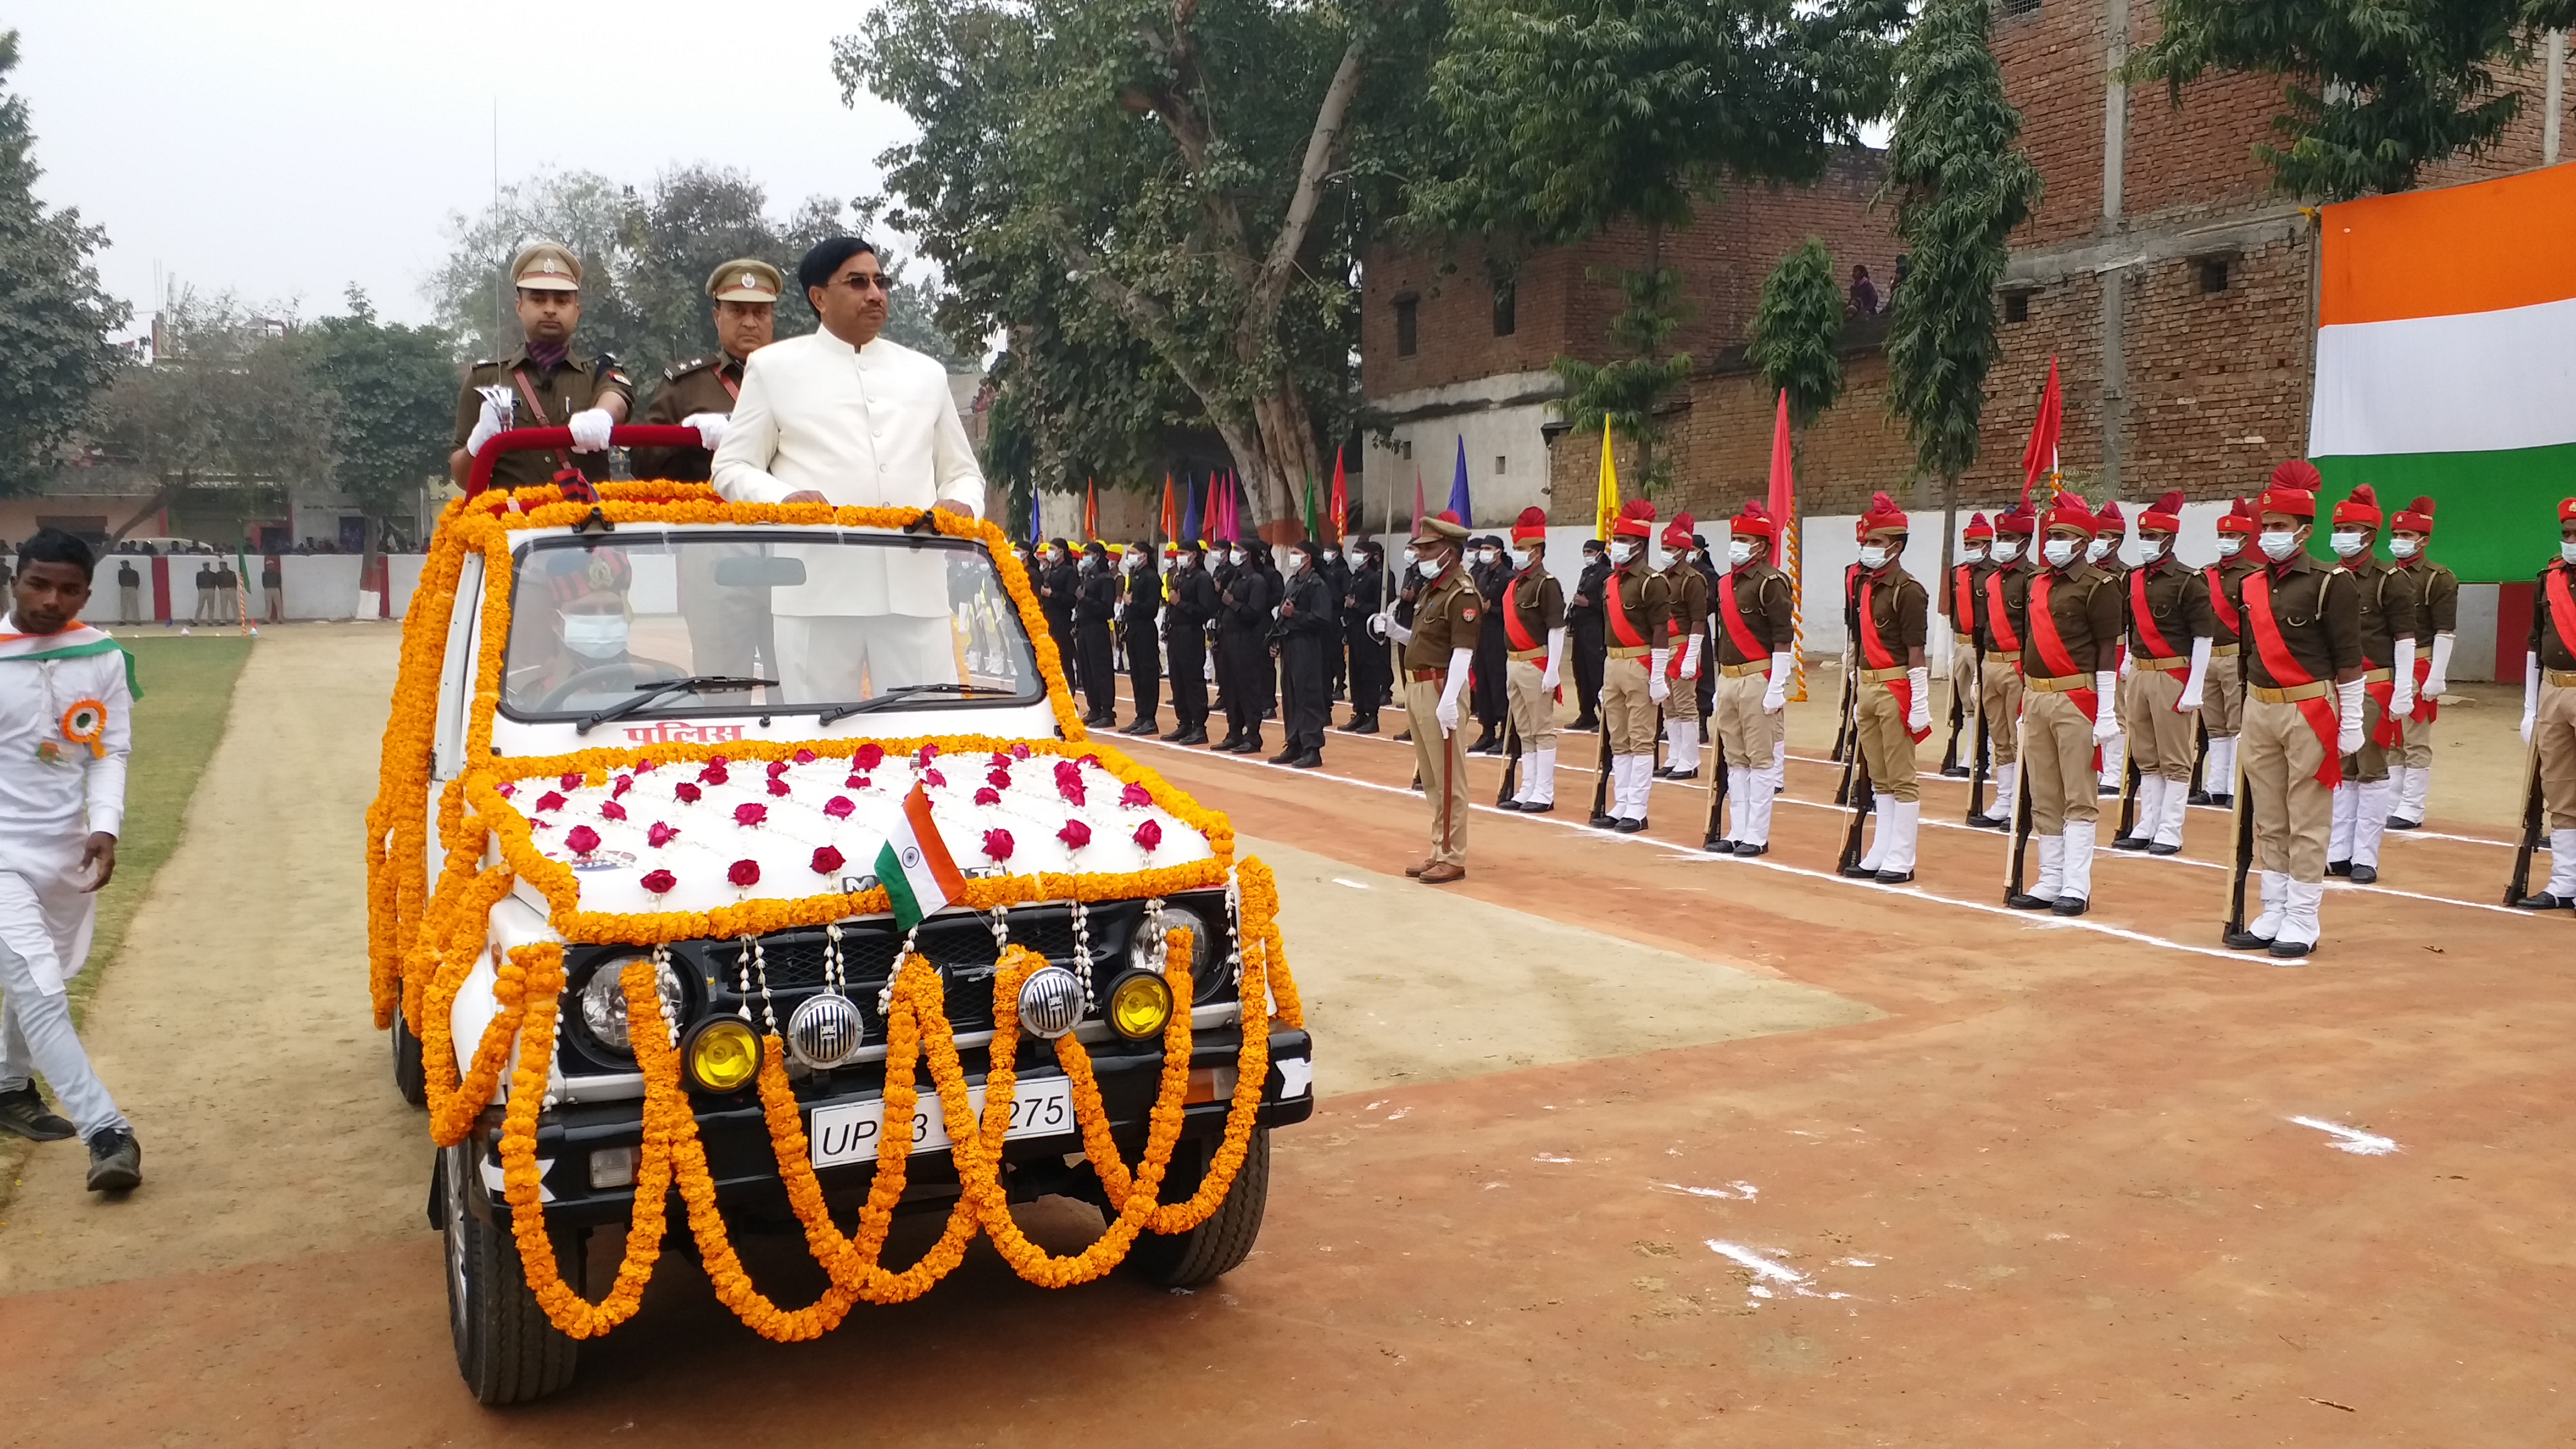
x: 834, y: 659
x: 44, y: 942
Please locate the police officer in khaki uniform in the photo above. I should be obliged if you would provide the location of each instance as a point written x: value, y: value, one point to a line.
x: 1755, y: 627
x: 2163, y: 678
x: 2012, y: 560
x: 2068, y: 617
x: 2362, y: 802
x: 2549, y: 712
x: 2110, y: 530
x: 1892, y: 612
x: 700, y: 393
x: 1686, y: 640
x: 2222, y: 702
x: 541, y: 384
x: 1439, y: 646
x: 1534, y: 641
x: 2303, y: 712
x: 1636, y: 608
x: 2436, y: 592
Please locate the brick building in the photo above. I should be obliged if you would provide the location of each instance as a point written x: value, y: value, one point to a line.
x: 2167, y: 278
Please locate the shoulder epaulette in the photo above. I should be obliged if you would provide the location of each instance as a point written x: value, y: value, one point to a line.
x: 485, y: 362
x: 678, y: 370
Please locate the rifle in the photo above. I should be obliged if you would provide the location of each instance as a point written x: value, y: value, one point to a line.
x: 2129, y: 801
x: 2534, y: 815
x: 2016, y: 877
x: 1861, y: 798
x: 1511, y: 760
x: 1601, y: 776
x: 1851, y: 732
x: 1985, y: 746
x: 1716, y: 794
x: 2244, y: 833
x: 1958, y: 726
x: 2200, y: 755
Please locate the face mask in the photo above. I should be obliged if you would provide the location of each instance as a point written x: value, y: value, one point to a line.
x: 1973, y: 555
x: 2098, y: 550
x: 1087, y: 563
x: 2006, y: 550
x: 2150, y: 548
x: 1520, y: 558
x: 1235, y: 558
x: 1409, y: 557
x: 2278, y: 545
x: 1330, y: 555
x: 2404, y: 547
x: 1296, y: 563
x: 1873, y: 557
x: 2567, y: 551
x: 1430, y: 568
x: 2347, y: 544
x: 1486, y: 556
x: 595, y: 636
x: 1739, y: 554
x: 1621, y: 553
x: 2230, y: 545
x: 2058, y: 551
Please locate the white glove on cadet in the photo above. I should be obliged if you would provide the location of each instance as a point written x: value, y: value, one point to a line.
x: 1776, y: 698
x: 2191, y: 688
x: 1388, y: 628
x: 2438, y: 681
x: 487, y: 426
x: 2530, y: 694
x: 1690, y: 658
x: 1447, y: 712
x: 2401, y: 703
x: 1918, y: 712
x: 590, y: 429
x: 710, y: 426
x: 2348, y: 717
x: 2106, y: 714
x: 1548, y: 677
x: 1658, y: 688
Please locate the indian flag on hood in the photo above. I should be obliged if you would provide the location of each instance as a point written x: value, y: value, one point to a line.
x: 2446, y: 360
x: 914, y: 866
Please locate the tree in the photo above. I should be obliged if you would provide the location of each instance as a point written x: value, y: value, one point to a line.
x: 1961, y: 188
x: 1191, y: 176
x: 2373, y: 90
x: 1565, y: 117
x: 388, y: 394
x: 470, y: 291
x: 54, y: 317
x: 1795, y: 326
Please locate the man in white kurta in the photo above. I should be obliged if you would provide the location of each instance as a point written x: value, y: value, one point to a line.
x: 845, y: 417
x: 66, y: 715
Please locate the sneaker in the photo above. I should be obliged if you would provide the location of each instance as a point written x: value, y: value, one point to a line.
x: 115, y: 1160
x: 24, y: 1113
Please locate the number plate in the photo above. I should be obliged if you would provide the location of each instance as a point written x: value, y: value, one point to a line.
x: 850, y: 1131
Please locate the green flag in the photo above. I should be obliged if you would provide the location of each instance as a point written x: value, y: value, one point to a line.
x: 1314, y: 520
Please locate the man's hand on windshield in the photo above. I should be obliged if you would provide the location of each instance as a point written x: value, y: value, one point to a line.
x: 805, y: 495
x: 951, y: 505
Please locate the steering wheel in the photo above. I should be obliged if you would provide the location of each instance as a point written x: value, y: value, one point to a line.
x: 623, y: 669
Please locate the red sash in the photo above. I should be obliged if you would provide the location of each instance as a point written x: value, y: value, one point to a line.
x: 2218, y: 603
x: 2286, y: 673
x: 1746, y: 642
x: 2139, y: 615
x: 1999, y: 618
x: 1674, y: 634
x: 1963, y: 599
x: 1628, y: 635
x: 1875, y: 654
x: 2562, y: 607
x: 1513, y: 629
x: 2054, y: 656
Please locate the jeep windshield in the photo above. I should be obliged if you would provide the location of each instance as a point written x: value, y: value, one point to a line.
x: 840, y: 620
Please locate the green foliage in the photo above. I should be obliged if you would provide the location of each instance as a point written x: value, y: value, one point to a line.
x: 1795, y: 326
x: 645, y: 260
x: 1564, y: 117
x: 1961, y: 187
x: 54, y: 317
x: 390, y: 398
x: 2373, y: 90
x: 1159, y: 206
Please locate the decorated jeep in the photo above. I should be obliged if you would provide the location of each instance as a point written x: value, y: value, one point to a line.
x: 757, y: 853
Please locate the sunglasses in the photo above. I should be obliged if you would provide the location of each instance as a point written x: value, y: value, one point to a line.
x: 864, y: 282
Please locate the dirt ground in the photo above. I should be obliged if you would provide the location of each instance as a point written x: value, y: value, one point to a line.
x: 1619, y: 1143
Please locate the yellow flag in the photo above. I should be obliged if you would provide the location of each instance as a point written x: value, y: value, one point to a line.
x: 1605, y: 506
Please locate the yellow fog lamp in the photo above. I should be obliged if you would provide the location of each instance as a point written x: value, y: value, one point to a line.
x: 1140, y: 1005
x: 721, y: 1055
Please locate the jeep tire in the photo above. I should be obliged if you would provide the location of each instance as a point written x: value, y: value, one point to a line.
x: 1218, y: 1246
x: 410, y: 1078
x: 506, y: 1347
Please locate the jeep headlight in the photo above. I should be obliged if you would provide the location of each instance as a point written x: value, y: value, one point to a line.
x: 722, y: 1055
x: 1140, y: 1005
x: 603, y: 1001
x: 1145, y: 948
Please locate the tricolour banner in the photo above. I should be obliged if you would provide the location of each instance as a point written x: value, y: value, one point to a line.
x: 2446, y: 360
x: 914, y: 866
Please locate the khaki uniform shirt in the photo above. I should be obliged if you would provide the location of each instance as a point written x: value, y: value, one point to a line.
x: 1900, y: 608
x: 1538, y: 601
x: 1648, y: 600
x: 2387, y: 611
x: 1687, y: 589
x: 1761, y: 595
x: 702, y: 385
x: 1445, y: 620
x: 2435, y: 593
x: 2016, y: 592
x: 2231, y: 578
x: 2177, y: 602
x: 544, y: 400
x: 2084, y: 604
x: 2317, y: 610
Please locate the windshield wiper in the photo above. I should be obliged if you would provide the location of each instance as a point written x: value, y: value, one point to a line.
x: 648, y: 693
x: 901, y: 693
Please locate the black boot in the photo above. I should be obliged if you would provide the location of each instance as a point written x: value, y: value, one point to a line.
x: 1311, y: 760
x: 24, y: 1113
x: 1286, y: 756
x: 1196, y: 736
x: 115, y: 1160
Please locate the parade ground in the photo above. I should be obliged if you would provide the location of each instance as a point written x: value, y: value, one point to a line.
x: 1618, y: 1143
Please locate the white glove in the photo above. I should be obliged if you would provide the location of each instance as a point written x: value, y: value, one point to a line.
x: 2200, y: 650
x: 2106, y: 713
x: 1776, y: 698
x: 2401, y: 702
x: 491, y: 423
x: 2530, y: 694
x: 1447, y: 713
x: 1274, y: 611
x: 1690, y: 658
x: 590, y: 429
x: 1918, y: 714
x: 1548, y: 677
x: 2348, y: 717
x: 1658, y: 688
x: 1389, y: 628
x: 2128, y: 666
x: 2438, y: 682
x: 710, y: 426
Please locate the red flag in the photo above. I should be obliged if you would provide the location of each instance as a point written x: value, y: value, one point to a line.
x: 1784, y: 484
x: 1340, y: 506
x: 1418, y: 514
x: 1171, y: 513
x: 2040, y: 457
x: 1090, y: 510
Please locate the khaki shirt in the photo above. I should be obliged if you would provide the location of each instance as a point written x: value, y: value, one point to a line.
x: 2318, y: 613
x: 2230, y: 585
x: 1687, y: 588
x: 1538, y: 601
x: 2387, y: 611
x: 544, y: 400
x: 1900, y: 608
x: 2177, y: 604
x: 2435, y: 592
x: 1445, y: 620
x: 1761, y: 595
x: 702, y: 385
x: 1648, y: 602
x: 2084, y: 605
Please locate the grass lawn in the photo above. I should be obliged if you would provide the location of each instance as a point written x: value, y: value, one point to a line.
x: 188, y: 690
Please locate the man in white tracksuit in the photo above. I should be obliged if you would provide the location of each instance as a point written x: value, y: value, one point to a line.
x: 66, y: 714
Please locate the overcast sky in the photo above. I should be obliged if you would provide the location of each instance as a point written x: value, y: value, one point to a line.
x: 286, y: 148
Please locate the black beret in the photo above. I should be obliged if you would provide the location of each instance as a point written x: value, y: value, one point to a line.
x: 825, y: 257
